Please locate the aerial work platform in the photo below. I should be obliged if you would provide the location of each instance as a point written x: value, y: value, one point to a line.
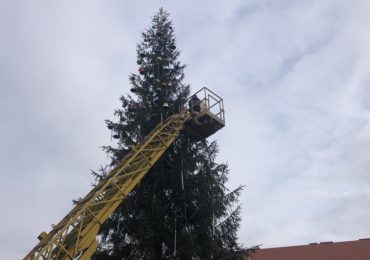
x: 207, y: 118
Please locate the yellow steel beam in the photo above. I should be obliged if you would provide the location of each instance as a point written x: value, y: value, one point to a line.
x: 74, y: 237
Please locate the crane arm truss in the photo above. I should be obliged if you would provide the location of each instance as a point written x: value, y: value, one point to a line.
x: 74, y: 237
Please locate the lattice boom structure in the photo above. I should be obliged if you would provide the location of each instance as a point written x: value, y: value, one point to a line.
x: 74, y: 237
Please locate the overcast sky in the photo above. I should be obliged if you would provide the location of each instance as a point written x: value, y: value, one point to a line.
x: 294, y: 76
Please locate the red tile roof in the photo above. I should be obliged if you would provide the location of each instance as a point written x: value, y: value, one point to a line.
x: 350, y: 250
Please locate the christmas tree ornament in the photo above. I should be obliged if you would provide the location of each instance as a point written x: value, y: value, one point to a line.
x: 134, y: 90
x: 142, y: 106
x: 142, y: 70
x: 116, y: 136
x: 110, y: 126
x: 131, y: 107
x: 159, y: 59
x: 165, y: 106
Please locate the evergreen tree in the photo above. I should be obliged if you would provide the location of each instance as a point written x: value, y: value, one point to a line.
x: 182, y: 208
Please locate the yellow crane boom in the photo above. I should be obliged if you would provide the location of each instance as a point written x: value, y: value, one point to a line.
x: 74, y: 237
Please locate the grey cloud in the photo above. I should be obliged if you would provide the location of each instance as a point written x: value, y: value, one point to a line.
x: 294, y: 76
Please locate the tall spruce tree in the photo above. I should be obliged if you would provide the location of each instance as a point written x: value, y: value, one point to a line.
x: 182, y: 208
